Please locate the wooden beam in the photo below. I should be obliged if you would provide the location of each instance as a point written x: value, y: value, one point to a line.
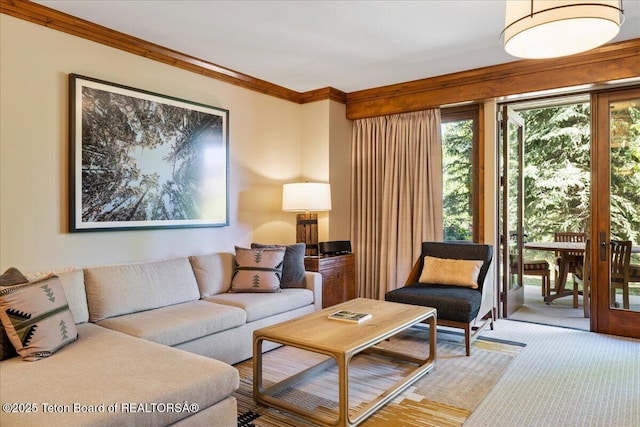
x: 607, y: 63
x: 610, y: 62
x: 324, y: 93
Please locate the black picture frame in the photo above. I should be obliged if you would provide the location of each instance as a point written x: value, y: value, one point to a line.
x: 141, y: 160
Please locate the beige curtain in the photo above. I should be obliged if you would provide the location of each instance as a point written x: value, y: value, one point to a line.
x: 396, y: 196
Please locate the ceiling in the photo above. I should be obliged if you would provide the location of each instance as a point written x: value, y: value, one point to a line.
x: 307, y: 45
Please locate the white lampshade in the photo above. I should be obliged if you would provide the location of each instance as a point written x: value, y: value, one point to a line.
x: 547, y: 29
x: 306, y: 197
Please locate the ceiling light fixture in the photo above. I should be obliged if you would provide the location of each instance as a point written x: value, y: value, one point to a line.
x: 537, y: 29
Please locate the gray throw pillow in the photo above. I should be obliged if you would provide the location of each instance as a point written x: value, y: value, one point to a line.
x: 293, y: 271
x: 11, y: 277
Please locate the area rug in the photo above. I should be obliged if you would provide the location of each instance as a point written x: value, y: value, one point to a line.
x: 445, y: 397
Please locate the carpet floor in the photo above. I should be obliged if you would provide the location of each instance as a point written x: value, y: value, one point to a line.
x: 563, y: 378
x: 445, y: 397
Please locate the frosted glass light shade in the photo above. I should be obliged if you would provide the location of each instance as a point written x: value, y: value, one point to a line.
x: 537, y: 29
x: 306, y: 197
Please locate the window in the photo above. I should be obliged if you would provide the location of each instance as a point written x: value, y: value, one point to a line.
x: 460, y: 166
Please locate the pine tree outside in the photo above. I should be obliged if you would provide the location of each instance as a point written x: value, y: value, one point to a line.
x: 557, y: 174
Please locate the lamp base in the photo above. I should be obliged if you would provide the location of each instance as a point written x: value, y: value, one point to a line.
x: 307, y: 232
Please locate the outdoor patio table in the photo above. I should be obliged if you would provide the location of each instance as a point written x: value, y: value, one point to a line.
x: 562, y: 248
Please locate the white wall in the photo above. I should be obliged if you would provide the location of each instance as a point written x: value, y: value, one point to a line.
x: 340, y: 171
x: 268, y: 137
x: 326, y: 157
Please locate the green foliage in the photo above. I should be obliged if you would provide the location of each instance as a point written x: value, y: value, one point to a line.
x: 457, y: 165
x: 557, y: 171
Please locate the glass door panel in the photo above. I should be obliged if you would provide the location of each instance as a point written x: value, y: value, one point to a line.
x: 615, y: 286
x: 624, y: 203
x: 510, y: 210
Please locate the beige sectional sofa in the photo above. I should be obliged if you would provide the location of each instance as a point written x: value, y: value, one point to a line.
x: 155, y: 344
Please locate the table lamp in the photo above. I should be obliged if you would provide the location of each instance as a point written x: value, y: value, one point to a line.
x: 307, y: 198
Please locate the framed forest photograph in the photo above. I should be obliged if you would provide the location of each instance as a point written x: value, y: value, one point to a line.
x: 140, y: 160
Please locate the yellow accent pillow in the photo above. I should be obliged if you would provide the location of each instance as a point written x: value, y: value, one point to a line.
x: 456, y: 272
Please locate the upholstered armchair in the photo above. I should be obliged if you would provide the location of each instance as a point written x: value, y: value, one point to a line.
x: 457, y: 280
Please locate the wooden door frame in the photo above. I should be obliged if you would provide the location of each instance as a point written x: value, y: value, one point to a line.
x: 603, y: 318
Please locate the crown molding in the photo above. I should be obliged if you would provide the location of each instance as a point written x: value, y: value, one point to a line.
x: 42, y: 15
x: 610, y: 62
x: 615, y: 61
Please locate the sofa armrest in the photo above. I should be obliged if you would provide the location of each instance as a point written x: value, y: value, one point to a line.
x: 313, y: 281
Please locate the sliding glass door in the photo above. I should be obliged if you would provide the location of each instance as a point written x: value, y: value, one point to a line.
x: 510, y: 167
x: 616, y: 211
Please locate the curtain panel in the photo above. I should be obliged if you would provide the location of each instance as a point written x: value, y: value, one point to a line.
x: 396, y: 196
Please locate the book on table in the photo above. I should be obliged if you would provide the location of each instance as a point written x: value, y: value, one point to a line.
x: 350, y: 316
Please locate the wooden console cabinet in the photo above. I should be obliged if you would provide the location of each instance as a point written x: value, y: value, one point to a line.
x: 338, y: 277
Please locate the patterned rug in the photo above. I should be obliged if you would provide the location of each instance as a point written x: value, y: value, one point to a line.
x: 444, y: 397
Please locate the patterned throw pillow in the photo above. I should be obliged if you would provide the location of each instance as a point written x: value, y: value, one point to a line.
x: 257, y: 270
x: 37, y: 318
x: 293, y: 270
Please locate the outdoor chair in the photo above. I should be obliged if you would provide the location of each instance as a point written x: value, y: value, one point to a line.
x: 634, y: 276
x: 446, y: 277
x: 573, y: 259
x: 582, y: 277
x: 535, y: 267
x: 620, y: 270
x: 532, y: 267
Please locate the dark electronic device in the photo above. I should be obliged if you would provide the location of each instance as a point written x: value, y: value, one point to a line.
x: 337, y: 247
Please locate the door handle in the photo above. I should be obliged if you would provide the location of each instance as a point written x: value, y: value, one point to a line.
x: 603, y: 246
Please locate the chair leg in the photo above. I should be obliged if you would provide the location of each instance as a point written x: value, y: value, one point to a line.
x: 575, y: 294
x: 586, y: 300
x: 625, y: 297
x: 546, y: 285
x: 467, y: 339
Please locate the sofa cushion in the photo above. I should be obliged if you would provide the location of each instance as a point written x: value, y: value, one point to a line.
x: 257, y: 270
x: 293, y: 269
x: 213, y: 272
x: 72, y: 280
x: 127, y: 288
x: 37, y: 318
x: 111, y: 368
x: 260, y: 306
x: 176, y: 324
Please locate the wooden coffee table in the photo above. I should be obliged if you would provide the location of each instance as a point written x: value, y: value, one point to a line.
x: 342, y: 341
